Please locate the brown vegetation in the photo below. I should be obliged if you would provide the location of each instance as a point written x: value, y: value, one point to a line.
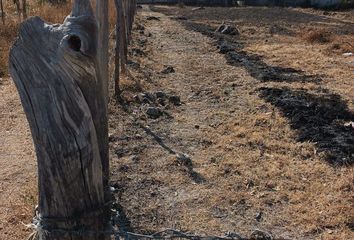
x: 263, y: 121
x: 318, y: 36
x: 8, y: 31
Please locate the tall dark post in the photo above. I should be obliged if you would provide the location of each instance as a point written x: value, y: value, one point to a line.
x: 2, y: 12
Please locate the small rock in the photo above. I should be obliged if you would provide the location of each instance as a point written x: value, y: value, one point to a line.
x: 138, y: 52
x: 149, y: 96
x: 349, y: 125
x: 168, y: 69
x: 111, y: 137
x: 175, y: 100
x: 160, y: 94
x: 153, y: 18
x: 197, y: 8
x: 234, y: 235
x: 347, y: 54
x: 161, y: 101
x: 227, y: 29
x: 143, y: 98
x: 154, y: 112
x: 260, y: 235
x: 259, y: 216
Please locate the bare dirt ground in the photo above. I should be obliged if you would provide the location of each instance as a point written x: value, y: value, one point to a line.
x: 17, y: 166
x: 259, y: 140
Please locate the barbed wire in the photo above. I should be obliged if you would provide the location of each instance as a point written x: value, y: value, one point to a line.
x: 43, y: 226
x: 161, y: 235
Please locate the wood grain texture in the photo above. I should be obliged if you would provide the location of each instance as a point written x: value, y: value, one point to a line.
x: 54, y: 68
x: 102, y: 60
x: 116, y: 74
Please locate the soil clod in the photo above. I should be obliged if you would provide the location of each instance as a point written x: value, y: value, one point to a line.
x: 167, y: 70
x: 154, y: 112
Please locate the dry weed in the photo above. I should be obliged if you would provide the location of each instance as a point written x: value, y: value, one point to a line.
x: 318, y: 36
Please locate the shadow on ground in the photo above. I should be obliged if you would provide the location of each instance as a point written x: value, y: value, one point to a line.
x: 263, y: 72
x: 134, y: 146
x: 253, y: 63
x: 317, y: 118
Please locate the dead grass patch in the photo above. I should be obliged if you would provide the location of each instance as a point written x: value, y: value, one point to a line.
x: 8, y: 34
x: 341, y: 46
x: 317, y: 36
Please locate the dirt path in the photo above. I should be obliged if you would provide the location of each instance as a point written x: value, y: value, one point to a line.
x: 17, y: 166
x: 246, y: 169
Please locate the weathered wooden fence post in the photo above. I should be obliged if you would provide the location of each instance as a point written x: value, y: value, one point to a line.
x: 122, y: 35
x: 18, y: 9
x: 24, y: 9
x: 102, y: 58
x: 116, y: 74
x: 57, y: 73
x: 124, y: 24
x: 2, y: 12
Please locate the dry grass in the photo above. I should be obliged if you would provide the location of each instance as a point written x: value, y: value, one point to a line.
x: 255, y: 143
x: 317, y: 36
x: 8, y: 32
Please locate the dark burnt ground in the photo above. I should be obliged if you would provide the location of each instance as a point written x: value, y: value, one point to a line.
x: 319, y: 118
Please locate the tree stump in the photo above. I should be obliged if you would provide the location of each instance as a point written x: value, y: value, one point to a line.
x: 56, y: 71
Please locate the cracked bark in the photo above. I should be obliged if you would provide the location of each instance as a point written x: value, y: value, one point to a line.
x: 62, y: 91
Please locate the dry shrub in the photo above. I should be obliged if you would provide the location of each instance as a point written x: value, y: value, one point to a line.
x: 340, y: 48
x: 317, y: 36
x: 9, y: 31
x: 51, y: 13
x: 8, y: 34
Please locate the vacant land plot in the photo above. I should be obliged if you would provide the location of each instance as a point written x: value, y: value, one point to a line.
x: 263, y: 121
x: 220, y: 133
